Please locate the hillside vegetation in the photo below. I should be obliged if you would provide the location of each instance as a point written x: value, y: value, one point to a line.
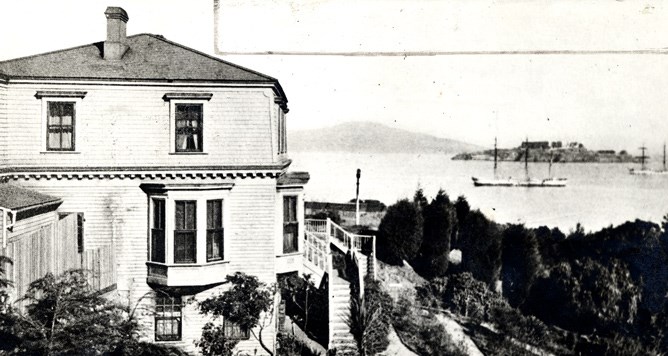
x: 525, y: 291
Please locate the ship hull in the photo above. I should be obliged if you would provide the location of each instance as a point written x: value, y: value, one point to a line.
x: 530, y: 183
x: 646, y: 172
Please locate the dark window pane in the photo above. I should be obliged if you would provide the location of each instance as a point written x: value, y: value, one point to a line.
x: 184, y: 247
x: 80, y: 232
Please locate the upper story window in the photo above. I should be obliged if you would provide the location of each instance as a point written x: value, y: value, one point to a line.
x: 60, y: 126
x: 188, y: 127
x: 59, y: 119
x: 187, y: 121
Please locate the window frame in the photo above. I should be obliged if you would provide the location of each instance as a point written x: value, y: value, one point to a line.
x: 290, y: 224
x: 60, y: 129
x: 175, y: 316
x: 175, y: 99
x: 215, y: 230
x: 192, y: 232
x: 152, y: 229
x: 48, y: 96
x: 194, y: 131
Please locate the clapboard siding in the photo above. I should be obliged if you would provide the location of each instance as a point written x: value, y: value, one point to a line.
x: 3, y: 124
x: 130, y: 126
x: 116, y: 213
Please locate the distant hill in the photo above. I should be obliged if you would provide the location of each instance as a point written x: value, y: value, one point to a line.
x: 372, y: 137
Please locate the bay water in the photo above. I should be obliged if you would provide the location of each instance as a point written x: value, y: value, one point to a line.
x: 597, y: 194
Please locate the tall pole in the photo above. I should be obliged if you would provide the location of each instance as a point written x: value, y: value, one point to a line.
x: 357, y: 198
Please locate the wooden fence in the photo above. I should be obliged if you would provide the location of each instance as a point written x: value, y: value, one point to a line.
x: 53, y: 248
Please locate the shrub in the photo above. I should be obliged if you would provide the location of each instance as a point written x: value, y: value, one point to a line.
x: 248, y: 303
x: 370, y: 318
x: 422, y: 332
x: 400, y: 233
x: 288, y: 345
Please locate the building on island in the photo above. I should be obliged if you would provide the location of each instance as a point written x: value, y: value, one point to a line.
x: 162, y: 168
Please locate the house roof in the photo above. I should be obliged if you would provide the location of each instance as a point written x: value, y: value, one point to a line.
x: 16, y: 198
x: 293, y: 178
x: 149, y: 57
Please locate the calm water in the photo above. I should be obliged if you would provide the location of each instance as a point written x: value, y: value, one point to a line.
x: 597, y: 195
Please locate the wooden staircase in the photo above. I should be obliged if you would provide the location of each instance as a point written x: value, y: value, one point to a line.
x: 333, y: 236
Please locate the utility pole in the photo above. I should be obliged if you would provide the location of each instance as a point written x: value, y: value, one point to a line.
x: 357, y: 198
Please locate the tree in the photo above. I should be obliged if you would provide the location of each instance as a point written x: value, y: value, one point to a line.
x: 419, y: 199
x: 248, y: 303
x: 440, y: 223
x: 65, y: 315
x: 521, y: 263
x: 480, y: 243
x: 462, y: 209
x: 586, y: 296
x: 400, y: 232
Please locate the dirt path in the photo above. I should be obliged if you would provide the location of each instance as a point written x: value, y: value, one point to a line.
x: 397, y: 348
x: 458, y: 336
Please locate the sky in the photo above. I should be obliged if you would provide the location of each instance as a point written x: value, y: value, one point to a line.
x: 460, y: 69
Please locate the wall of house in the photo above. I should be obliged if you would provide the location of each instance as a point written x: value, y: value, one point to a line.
x: 129, y: 125
x: 116, y: 213
x: 3, y: 122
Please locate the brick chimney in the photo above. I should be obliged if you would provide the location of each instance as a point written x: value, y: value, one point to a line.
x: 116, y: 43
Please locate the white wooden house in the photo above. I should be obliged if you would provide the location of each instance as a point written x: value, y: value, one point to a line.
x: 172, y: 165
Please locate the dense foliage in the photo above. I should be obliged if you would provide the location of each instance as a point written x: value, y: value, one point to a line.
x: 248, y: 303
x: 65, y: 315
x: 440, y: 221
x: 601, y: 287
x: 306, y: 304
x: 400, y: 233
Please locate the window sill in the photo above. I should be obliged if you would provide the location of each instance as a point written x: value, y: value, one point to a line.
x: 60, y: 152
x: 177, y: 265
x: 289, y: 254
x: 188, y: 153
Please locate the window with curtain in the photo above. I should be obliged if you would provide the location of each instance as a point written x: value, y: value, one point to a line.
x: 188, y: 127
x: 214, y: 230
x: 168, y: 318
x: 185, y: 232
x: 158, y: 231
x: 290, y: 224
x: 60, y: 126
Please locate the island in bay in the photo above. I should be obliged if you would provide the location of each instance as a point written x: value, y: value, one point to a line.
x: 545, y: 151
